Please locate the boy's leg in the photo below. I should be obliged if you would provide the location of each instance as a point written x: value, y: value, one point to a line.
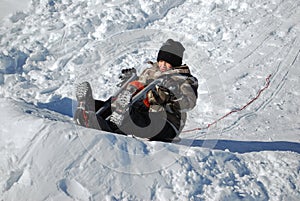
x: 103, y: 111
x: 168, y: 134
x: 105, y: 107
x: 85, y: 112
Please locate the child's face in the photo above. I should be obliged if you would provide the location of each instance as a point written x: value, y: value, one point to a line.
x: 164, y: 66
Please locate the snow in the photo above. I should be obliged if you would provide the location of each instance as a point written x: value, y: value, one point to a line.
x: 231, y: 47
x: 9, y: 7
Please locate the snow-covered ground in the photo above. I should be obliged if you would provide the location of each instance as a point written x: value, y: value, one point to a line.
x: 231, y: 47
x: 8, y: 7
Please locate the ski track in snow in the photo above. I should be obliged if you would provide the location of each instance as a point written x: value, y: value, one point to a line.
x: 231, y: 46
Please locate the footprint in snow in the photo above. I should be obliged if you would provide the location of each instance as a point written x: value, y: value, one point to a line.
x: 14, y: 177
x: 74, y: 189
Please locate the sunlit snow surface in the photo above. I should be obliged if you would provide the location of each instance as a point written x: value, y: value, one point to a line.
x: 231, y: 47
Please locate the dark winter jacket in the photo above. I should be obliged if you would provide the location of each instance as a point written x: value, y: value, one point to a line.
x: 183, y: 87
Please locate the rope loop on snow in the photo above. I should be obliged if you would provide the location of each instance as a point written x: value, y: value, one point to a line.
x: 235, y: 110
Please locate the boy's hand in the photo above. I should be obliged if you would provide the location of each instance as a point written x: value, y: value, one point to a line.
x: 125, y: 75
x: 158, y: 96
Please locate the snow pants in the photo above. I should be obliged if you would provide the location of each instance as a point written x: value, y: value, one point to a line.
x: 139, y: 117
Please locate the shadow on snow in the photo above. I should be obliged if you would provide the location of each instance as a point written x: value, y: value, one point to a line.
x: 64, y: 106
x: 244, y: 146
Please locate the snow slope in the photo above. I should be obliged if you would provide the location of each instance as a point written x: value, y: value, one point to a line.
x: 8, y: 7
x: 231, y: 46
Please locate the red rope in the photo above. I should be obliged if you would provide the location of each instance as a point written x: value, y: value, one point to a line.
x: 236, y: 110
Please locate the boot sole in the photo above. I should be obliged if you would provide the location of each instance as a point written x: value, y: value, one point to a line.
x: 85, y: 113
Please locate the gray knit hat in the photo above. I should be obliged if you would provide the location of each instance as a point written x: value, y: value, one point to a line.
x: 172, y: 52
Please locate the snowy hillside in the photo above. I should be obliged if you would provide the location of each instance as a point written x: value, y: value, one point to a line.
x: 231, y: 47
x: 7, y: 7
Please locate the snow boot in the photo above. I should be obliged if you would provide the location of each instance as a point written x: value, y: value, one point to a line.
x: 85, y: 112
x: 121, y: 107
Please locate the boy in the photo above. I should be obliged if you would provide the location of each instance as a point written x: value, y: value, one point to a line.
x: 168, y: 92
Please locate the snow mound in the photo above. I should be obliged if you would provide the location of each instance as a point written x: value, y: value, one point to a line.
x: 67, y: 162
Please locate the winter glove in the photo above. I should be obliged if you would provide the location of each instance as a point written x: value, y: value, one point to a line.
x: 159, y: 96
x: 128, y: 71
x: 125, y: 75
